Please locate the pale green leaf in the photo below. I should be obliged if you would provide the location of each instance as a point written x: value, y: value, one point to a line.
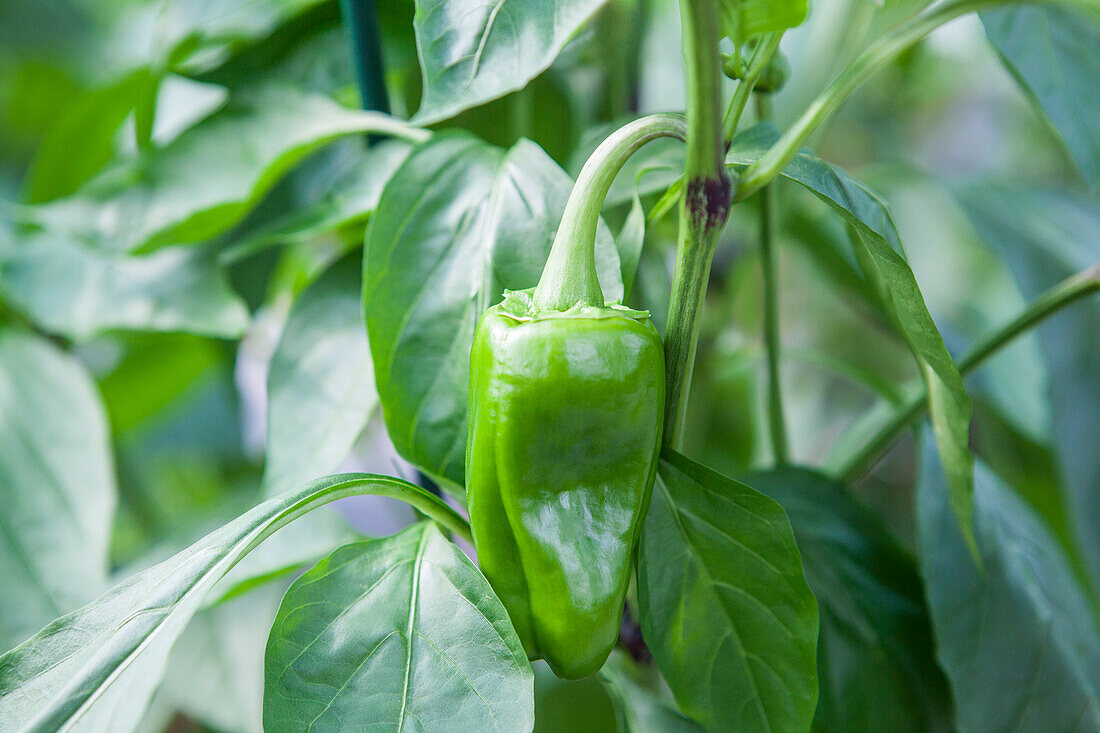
x: 57, y: 486
x: 472, y: 51
x: 97, y: 668
x: 321, y: 383
x: 401, y: 633
x: 79, y: 290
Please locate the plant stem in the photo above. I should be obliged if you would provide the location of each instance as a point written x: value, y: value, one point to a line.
x: 1061, y: 295
x: 569, y: 276
x: 877, y: 55
x: 760, y: 58
x: 770, y: 266
x: 361, y: 21
x: 703, y: 207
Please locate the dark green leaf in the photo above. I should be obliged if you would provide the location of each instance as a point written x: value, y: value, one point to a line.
x: 874, y: 654
x: 96, y: 669
x: 879, y: 253
x: 472, y: 51
x: 724, y: 605
x: 208, y: 178
x: 1017, y: 638
x: 83, y: 138
x: 321, y: 383
x: 57, y: 486
x: 458, y: 223
x: 1046, y: 236
x: 1051, y: 51
x: 402, y: 633
x: 79, y: 290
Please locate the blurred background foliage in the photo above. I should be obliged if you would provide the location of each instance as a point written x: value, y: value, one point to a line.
x: 179, y: 341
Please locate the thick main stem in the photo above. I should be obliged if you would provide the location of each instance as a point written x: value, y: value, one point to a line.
x: 1068, y: 291
x: 770, y: 266
x: 569, y: 277
x: 703, y: 208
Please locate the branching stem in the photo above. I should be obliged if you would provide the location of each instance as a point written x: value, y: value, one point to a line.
x: 1068, y: 291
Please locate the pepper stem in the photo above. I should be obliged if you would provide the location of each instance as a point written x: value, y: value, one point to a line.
x: 569, y: 278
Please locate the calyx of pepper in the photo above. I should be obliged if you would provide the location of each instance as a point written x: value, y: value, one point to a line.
x: 521, y: 305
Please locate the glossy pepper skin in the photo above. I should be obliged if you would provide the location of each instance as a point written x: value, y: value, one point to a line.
x: 565, y: 425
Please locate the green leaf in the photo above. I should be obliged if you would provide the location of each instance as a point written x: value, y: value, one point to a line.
x: 342, y: 194
x: 874, y: 654
x: 641, y: 710
x: 1017, y: 639
x: 743, y: 19
x: 1051, y: 51
x: 472, y: 51
x: 724, y: 606
x: 1045, y: 236
x: 79, y: 290
x: 321, y: 383
x: 401, y: 633
x: 83, y: 138
x: 153, y: 372
x: 57, y: 485
x: 879, y: 253
x: 208, y: 178
x: 195, y: 36
x: 458, y: 223
x: 97, y: 668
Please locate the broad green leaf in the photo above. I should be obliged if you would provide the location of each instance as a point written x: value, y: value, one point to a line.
x: 1017, y: 638
x: 401, y: 633
x: 744, y: 19
x: 472, y: 51
x: 1051, y: 51
x: 208, y: 178
x: 1045, y: 236
x: 343, y: 193
x: 874, y: 653
x: 96, y: 668
x: 80, y: 290
x: 57, y: 486
x: 880, y: 256
x: 641, y: 711
x: 724, y: 605
x: 458, y: 223
x: 321, y: 383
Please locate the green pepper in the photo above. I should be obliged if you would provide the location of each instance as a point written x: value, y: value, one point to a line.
x: 565, y: 425
x: 565, y: 419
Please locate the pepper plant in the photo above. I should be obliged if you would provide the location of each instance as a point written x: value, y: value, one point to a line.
x: 661, y: 395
